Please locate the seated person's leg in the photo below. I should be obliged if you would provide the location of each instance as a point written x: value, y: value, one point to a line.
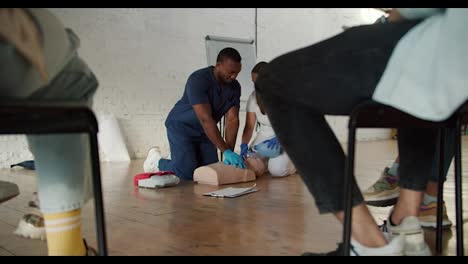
x: 62, y: 161
x: 417, y: 148
x: 64, y: 170
x: 385, y: 191
x: 281, y: 166
x: 18, y: 79
x: 299, y: 88
x: 428, y: 210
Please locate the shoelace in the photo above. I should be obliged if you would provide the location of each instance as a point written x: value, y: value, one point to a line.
x: 383, y: 227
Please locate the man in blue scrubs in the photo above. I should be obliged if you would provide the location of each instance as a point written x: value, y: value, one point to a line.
x: 194, y: 137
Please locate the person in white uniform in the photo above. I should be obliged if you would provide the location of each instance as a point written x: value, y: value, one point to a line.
x: 265, y: 146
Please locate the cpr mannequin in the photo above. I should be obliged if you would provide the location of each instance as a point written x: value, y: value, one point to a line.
x: 257, y: 165
x: 220, y: 173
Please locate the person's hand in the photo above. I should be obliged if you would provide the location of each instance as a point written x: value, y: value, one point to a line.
x: 395, y: 16
x: 244, y: 148
x: 273, y: 144
x: 231, y: 158
x: 270, y: 148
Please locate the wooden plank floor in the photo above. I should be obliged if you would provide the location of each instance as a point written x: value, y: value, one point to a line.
x: 280, y: 219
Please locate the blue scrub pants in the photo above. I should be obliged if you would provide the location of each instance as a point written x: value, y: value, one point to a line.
x: 188, y: 153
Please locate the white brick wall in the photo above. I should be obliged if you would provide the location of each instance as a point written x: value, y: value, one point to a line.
x: 142, y: 58
x: 284, y: 30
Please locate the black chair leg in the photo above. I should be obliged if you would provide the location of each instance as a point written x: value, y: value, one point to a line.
x: 440, y: 194
x: 98, y: 200
x: 458, y: 190
x: 348, y: 194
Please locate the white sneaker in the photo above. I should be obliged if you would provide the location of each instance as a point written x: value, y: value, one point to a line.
x: 31, y: 224
x: 393, y: 248
x: 152, y: 161
x: 409, y: 228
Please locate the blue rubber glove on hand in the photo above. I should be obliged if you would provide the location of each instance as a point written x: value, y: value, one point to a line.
x: 244, y: 149
x: 270, y: 148
x: 231, y: 158
x: 273, y: 144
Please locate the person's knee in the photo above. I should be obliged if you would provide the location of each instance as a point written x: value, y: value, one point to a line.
x: 278, y: 170
x: 267, y: 152
x: 185, y: 173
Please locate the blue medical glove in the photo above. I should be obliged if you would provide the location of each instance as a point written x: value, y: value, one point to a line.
x: 270, y: 148
x: 273, y: 144
x: 244, y: 148
x: 231, y: 158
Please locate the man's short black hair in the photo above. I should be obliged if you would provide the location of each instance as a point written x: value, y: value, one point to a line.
x: 229, y: 53
x: 259, y: 66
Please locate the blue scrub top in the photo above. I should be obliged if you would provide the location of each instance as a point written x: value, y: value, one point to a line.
x: 202, y: 88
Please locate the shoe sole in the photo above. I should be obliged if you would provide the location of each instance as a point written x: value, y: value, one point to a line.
x: 426, y: 251
x: 430, y: 221
x: 386, y: 198
x: 383, y: 203
x: 434, y: 225
x: 424, y: 248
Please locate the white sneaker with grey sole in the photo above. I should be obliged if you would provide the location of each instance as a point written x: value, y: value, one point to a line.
x: 152, y: 160
x: 409, y: 228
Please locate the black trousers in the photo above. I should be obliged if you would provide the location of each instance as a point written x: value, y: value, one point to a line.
x: 331, y: 78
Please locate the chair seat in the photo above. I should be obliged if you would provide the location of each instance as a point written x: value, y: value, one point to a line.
x: 371, y: 114
x: 375, y: 115
x: 19, y: 117
x: 55, y: 117
x: 8, y: 190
